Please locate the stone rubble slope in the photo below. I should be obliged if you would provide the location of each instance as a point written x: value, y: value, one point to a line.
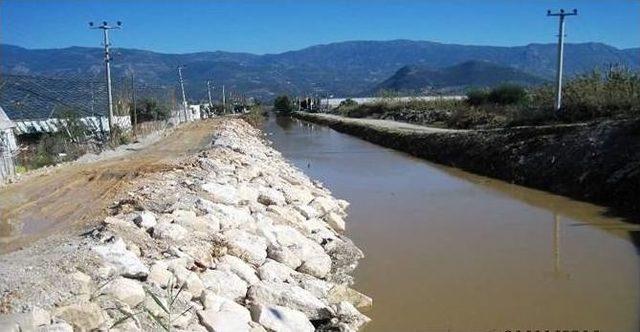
x: 232, y: 239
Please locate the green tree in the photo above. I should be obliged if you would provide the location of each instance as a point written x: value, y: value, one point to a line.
x: 149, y: 109
x: 283, y: 105
x: 508, y: 94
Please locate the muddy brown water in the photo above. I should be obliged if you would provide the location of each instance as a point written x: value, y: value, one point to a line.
x: 451, y: 251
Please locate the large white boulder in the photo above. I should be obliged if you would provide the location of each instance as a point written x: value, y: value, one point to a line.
x: 145, y: 219
x: 230, y: 216
x: 335, y: 221
x: 282, y: 319
x: 239, y: 267
x: 349, y: 315
x: 169, y: 231
x: 125, y: 290
x: 125, y: 262
x: 324, y: 205
x: 287, y: 295
x: 159, y: 275
x: 249, y: 247
x: 222, y: 193
x: 307, y: 211
x: 297, y: 194
x: 223, y: 321
x: 83, y: 316
x: 274, y: 271
x: 270, y: 196
x: 314, y: 259
x: 224, y: 283
x: 189, y: 279
x: 284, y: 255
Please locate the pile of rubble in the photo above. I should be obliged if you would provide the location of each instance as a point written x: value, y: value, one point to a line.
x: 233, y: 239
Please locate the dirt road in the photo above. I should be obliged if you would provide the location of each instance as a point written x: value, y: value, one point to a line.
x: 78, y: 193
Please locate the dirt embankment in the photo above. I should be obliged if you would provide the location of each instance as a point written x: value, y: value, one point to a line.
x: 596, y: 162
x: 77, y: 193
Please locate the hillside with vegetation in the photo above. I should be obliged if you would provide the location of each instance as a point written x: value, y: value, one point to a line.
x: 424, y: 80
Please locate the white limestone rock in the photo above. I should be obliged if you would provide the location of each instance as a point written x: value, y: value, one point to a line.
x: 145, y: 219
x: 324, y: 205
x: 270, y: 196
x: 349, y: 315
x: 276, y: 272
x: 307, y: 211
x: 287, y: 295
x: 223, y: 321
x: 224, y: 283
x: 123, y: 261
x: 284, y: 255
x: 169, y: 231
x: 222, y: 193
x: 230, y: 216
x: 239, y: 267
x: 125, y: 290
x: 249, y: 247
x: 56, y: 327
x: 83, y: 316
x: 282, y: 319
x: 335, y: 221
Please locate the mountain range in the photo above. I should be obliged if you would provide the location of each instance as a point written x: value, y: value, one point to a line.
x: 341, y: 69
x: 423, y: 80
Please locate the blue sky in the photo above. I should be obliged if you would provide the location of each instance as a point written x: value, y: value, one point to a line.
x: 262, y: 26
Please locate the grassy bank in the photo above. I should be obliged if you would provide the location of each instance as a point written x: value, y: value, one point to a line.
x: 614, y: 94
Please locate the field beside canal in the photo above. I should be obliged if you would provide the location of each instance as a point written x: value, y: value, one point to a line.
x: 595, y: 161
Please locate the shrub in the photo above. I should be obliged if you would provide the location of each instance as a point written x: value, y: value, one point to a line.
x: 149, y: 109
x: 348, y: 103
x: 283, y: 105
x: 255, y: 117
x: 508, y: 95
x: 477, y: 97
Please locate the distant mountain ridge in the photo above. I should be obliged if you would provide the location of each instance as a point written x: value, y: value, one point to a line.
x: 420, y: 79
x: 339, y: 69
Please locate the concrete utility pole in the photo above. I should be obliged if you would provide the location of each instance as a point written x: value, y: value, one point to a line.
x: 224, y: 101
x: 209, y: 93
x: 133, y: 99
x: 105, y: 27
x: 184, y: 98
x: 561, y: 15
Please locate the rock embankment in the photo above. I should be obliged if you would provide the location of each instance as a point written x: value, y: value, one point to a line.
x: 597, y: 162
x: 233, y: 239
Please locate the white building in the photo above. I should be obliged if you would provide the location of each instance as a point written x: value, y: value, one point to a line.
x: 8, y: 147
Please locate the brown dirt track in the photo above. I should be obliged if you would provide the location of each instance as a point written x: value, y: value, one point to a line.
x: 79, y: 193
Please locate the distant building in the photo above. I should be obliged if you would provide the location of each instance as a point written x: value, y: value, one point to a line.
x: 8, y: 147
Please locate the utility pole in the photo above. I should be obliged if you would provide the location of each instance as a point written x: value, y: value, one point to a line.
x: 105, y: 27
x: 224, y: 109
x: 561, y: 15
x: 209, y: 93
x: 184, y: 98
x: 133, y: 99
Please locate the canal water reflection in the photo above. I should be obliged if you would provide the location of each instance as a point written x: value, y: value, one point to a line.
x: 451, y: 251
